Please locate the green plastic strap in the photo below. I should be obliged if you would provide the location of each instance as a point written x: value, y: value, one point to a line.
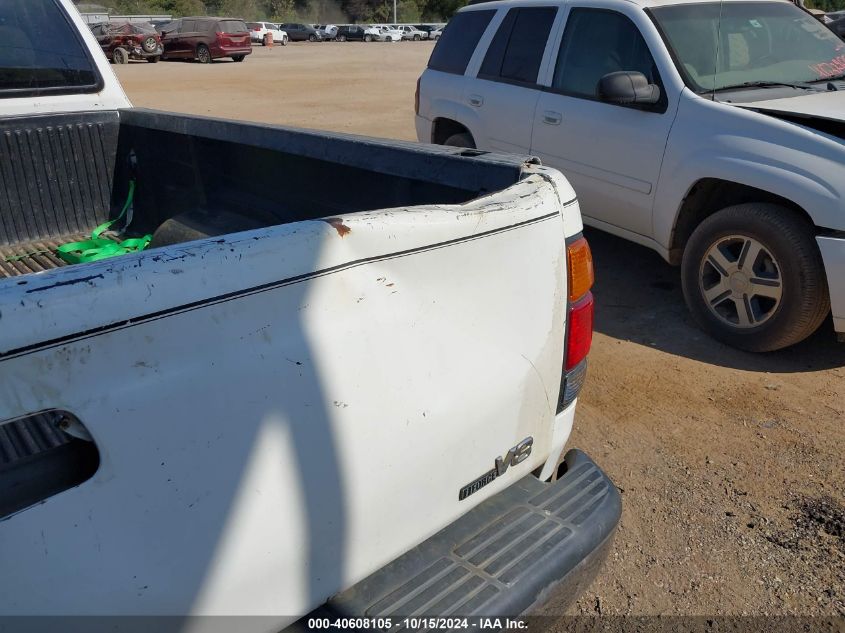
x: 100, y: 247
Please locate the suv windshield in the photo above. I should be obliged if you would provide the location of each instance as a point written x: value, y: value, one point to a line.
x: 756, y: 43
x: 41, y: 52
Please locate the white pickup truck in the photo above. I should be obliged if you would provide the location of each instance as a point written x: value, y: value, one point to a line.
x: 712, y: 132
x: 214, y: 401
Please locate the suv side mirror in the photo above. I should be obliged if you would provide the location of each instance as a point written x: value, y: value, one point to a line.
x: 626, y: 87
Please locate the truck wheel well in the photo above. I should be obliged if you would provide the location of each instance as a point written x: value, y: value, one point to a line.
x: 444, y: 128
x: 709, y: 195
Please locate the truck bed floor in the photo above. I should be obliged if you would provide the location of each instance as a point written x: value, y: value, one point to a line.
x: 37, y: 256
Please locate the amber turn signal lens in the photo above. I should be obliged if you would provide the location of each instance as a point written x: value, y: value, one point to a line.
x: 580, y: 266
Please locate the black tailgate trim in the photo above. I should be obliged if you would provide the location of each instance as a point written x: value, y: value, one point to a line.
x: 504, y: 557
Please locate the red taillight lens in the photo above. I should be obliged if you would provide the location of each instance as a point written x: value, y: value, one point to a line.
x: 257, y: 28
x: 417, y: 97
x: 579, y: 333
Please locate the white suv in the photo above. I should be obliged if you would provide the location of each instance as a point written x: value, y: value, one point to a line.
x: 710, y: 132
x: 411, y: 33
x: 257, y: 31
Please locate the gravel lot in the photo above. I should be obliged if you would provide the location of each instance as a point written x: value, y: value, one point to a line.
x: 731, y: 465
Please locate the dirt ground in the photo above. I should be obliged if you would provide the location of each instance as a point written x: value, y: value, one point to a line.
x: 731, y: 465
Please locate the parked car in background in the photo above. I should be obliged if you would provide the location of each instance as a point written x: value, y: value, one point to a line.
x: 359, y: 33
x: 257, y: 31
x: 426, y: 28
x: 356, y: 33
x: 837, y: 25
x: 128, y: 40
x: 327, y: 31
x: 727, y: 159
x: 298, y: 32
x: 436, y: 33
x: 388, y: 33
x: 411, y: 33
x: 206, y: 39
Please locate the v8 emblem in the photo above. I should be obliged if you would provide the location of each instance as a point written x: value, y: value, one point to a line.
x: 514, y: 456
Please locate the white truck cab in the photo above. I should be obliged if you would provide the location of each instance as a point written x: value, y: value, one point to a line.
x: 712, y: 132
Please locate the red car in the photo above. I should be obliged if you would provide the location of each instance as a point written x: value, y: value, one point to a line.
x: 127, y: 40
x: 205, y: 39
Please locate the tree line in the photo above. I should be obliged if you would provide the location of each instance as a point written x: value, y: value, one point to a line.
x: 328, y: 11
x: 312, y: 11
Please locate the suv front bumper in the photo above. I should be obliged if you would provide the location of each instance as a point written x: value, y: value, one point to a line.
x: 833, y: 253
x: 532, y: 543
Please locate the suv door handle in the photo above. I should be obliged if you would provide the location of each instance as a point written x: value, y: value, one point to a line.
x: 476, y: 100
x: 551, y: 118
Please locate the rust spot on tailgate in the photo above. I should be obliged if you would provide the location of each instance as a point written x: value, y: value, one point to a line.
x: 339, y: 226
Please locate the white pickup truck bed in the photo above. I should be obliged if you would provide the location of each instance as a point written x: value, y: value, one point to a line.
x: 334, y: 350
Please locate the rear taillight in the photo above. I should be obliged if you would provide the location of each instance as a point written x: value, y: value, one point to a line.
x: 579, y: 331
x: 579, y: 320
x: 257, y: 28
x: 417, y: 97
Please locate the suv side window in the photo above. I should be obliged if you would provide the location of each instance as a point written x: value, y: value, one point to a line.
x: 458, y: 42
x: 171, y: 27
x: 188, y: 26
x: 517, y: 48
x: 597, y: 42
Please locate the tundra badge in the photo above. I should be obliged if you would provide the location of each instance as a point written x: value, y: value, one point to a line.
x: 514, y: 456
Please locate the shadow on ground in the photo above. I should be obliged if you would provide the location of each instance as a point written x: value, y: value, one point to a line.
x: 639, y: 299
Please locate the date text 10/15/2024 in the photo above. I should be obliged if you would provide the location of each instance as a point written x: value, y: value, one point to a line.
x: 418, y: 623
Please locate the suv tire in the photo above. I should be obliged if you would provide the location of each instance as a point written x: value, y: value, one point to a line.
x: 238, y: 58
x: 120, y: 56
x: 149, y: 45
x: 203, y: 54
x: 773, y: 301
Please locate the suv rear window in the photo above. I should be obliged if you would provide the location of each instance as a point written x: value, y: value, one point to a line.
x: 232, y: 26
x: 456, y: 45
x: 41, y: 52
x: 517, y: 48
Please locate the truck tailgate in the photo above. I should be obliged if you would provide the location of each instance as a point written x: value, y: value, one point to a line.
x: 281, y: 412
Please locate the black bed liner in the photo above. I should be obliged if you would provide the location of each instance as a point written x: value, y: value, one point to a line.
x: 61, y: 175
